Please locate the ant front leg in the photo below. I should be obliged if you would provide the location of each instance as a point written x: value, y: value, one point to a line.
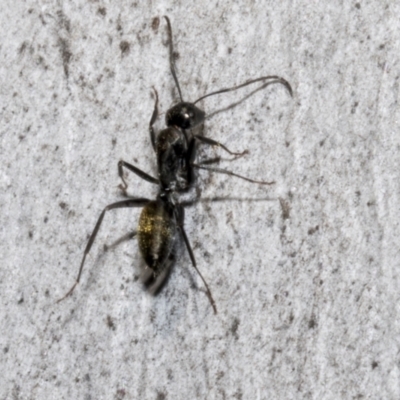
x: 123, y: 164
x: 180, y: 219
x: 139, y: 202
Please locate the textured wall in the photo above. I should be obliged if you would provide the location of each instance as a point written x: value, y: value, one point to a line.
x: 307, y: 287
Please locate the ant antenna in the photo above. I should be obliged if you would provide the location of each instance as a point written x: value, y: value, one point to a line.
x: 273, y: 79
x: 171, y: 56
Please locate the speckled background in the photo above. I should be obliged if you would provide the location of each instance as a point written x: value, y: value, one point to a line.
x: 307, y: 287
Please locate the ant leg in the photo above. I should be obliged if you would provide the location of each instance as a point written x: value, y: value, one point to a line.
x: 138, y: 202
x: 135, y: 170
x: 224, y: 171
x: 192, y: 151
x: 215, y: 143
x: 191, y: 255
x: 153, y: 120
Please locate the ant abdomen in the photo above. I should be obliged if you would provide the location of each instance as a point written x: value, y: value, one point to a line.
x: 156, y: 234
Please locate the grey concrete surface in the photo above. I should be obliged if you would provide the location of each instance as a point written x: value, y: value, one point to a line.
x: 307, y: 287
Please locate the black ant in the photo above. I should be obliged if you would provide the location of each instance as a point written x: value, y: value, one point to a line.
x: 161, y: 219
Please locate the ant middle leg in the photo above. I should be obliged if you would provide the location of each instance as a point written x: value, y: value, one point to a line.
x: 137, y: 202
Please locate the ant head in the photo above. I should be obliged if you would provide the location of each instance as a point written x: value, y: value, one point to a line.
x: 185, y: 116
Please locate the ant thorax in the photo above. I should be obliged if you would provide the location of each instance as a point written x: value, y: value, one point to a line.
x: 173, y: 160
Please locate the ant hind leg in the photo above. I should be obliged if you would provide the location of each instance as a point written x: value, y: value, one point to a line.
x: 193, y: 260
x: 137, y: 202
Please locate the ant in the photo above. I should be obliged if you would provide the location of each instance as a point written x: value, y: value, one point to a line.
x: 175, y: 148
